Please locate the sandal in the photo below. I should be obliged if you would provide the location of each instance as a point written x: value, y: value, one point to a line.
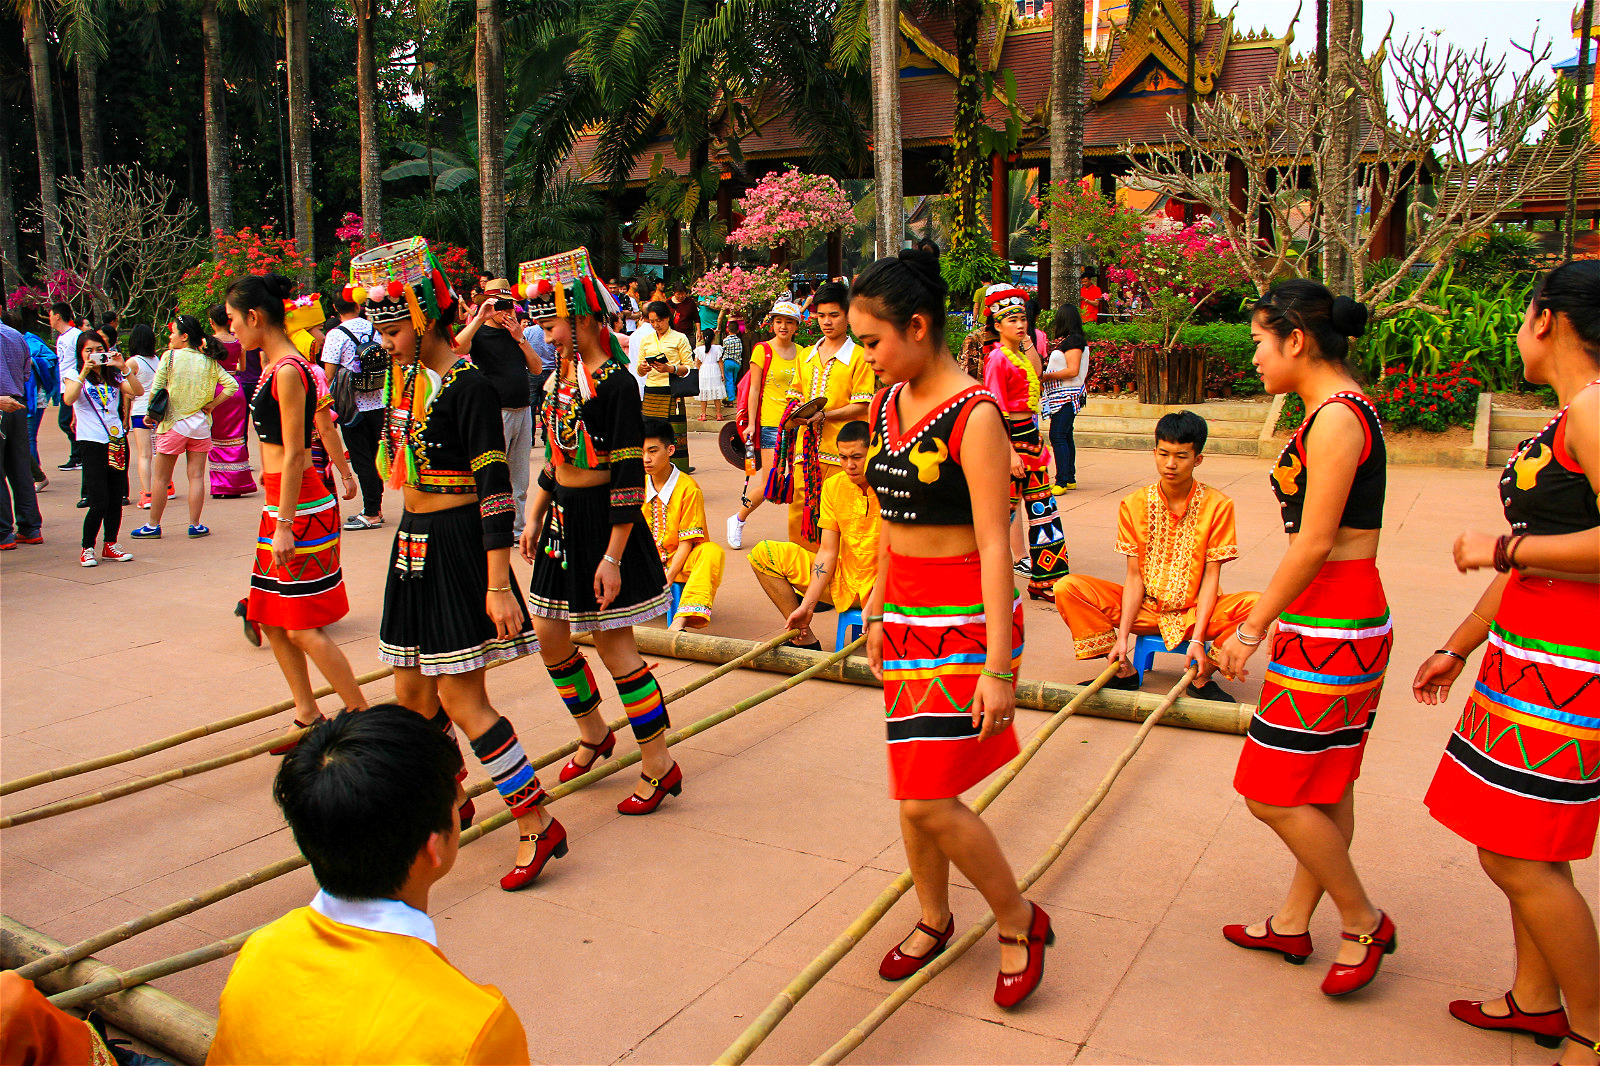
x: 361, y: 521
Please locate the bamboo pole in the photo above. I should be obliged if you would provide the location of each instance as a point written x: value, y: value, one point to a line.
x: 785, y: 1001
x: 154, y: 1016
x: 222, y: 948
x: 199, y: 731
x: 1210, y: 715
x: 898, y: 998
x: 126, y: 931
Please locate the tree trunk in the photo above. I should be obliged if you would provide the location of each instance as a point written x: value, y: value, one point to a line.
x: 491, y: 75
x: 1341, y: 269
x: 367, y: 107
x: 89, y: 114
x: 12, y: 266
x: 967, y: 169
x: 888, y: 177
x: 1066, y: 131
x: 219, y: 196
x: 44, y: 129
x: 1586, y: 27
x: 299, y: 63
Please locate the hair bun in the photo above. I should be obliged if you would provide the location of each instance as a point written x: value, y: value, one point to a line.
x: 278, y: 286
x: 1349, y: 316
x: 925, y: 265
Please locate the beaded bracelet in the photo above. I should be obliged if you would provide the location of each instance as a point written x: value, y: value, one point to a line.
x: 1007, y: 675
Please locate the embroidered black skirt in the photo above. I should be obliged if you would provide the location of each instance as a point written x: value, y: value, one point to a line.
x: 576, y: 531
x: 433, y: 610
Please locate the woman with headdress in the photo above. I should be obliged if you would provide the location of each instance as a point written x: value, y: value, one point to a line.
x: 1011, y: 371
x: 451, y: 606
x: 297, y: 586
x: 595, y: 567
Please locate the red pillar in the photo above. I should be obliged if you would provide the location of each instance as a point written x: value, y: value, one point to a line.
x: 999, y: 209
x: 835, y: 254
x: 1236, y: 191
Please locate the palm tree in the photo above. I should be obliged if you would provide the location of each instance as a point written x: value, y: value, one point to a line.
x: 219, y: 193
x: 12, y: 260
x: 367, y: 120
x: 491, y: 79
x: 887, y: 169
x: 1340, y: 269
x: 299, y: 64
x: 967, y: 178
x: 44, y: 126
x: 1066, y: 129
x: 82, y: 25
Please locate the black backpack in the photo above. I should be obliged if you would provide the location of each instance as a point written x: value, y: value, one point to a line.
x: 372, y: 362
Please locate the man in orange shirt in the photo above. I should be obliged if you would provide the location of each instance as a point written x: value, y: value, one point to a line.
x: 357, y: 977
x: 1176, y: 533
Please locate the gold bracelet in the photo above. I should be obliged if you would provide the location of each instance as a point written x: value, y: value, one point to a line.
x: 505, y: 589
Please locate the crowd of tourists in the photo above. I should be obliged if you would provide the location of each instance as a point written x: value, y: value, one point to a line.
x: 546, y: 419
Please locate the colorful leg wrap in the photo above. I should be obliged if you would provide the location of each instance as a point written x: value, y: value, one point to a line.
x: 641, y: 698
x: 501, y: 754
x: 575, y: 681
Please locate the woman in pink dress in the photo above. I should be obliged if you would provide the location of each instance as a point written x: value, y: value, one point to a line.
x: 231, y: 475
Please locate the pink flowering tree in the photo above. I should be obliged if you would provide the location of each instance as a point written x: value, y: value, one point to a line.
x: 735, y: 290
x: 60, y: 286
x: 784, y: 211
x: 1176, y: 269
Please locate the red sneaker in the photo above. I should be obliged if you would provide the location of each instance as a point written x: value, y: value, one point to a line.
x: 549, y: 844
x: 1011, y: 989
x: 1343, y: 980
x: 1547, y: 1027
x: 114, y: 554
x: 1295, y: 948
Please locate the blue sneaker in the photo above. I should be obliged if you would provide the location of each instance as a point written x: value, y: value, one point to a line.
x: 146, y: 533
x: 199, y: 531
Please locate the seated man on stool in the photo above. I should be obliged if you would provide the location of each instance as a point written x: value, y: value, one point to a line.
x: 676, y: 510
x: 843, y: 571
x: 1176, y: 533
x: 371, y: 797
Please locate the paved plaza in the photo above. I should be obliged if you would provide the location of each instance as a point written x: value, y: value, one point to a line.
x: 658, y: 939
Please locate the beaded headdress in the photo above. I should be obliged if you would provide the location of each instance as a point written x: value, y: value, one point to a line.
x: 1003, y: 299
x: 399, y: 280
x: 563, y: 286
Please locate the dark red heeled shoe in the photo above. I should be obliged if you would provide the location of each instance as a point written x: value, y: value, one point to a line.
x: 465, y: 812
x: 671, y: 782
x: 549, y: 844
x: 1011, y: 989
x: 1343, y: 980
x: 601, y: 750
x: 289, y: 745
x: 1041, y: 594
x: 1295, y: 948
x: 897, y: 965
x: 1584, y: 1042
x: 1547, y: 1027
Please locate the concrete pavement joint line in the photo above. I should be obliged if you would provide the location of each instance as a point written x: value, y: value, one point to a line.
x: 893, y: 1002
x: 289, y: 864
x: 785, y: 1001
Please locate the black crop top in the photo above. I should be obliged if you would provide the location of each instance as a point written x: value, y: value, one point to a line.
x: 1544, y: 490
x: 917, y: 477
x: 265, y: 412
x: 1363, y: 508
x: 604, y: 432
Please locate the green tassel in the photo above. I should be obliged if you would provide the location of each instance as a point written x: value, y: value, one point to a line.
x: 580, y: 300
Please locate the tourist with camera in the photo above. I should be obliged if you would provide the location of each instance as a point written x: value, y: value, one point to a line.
x: 94, y: 390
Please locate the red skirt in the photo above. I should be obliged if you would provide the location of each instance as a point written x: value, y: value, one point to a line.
x: 934, y: 642
x: 1520, y: 775
x: 309, y: 592
x: 1321, y: 691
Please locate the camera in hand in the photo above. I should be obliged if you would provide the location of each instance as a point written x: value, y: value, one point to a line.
x: 505, y: 305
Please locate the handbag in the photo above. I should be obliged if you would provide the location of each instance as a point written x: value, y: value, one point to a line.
x: 687, y: 386
x: 156, y: 410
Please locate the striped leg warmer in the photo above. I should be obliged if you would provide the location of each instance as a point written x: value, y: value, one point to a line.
x: 575, y: 681
x: 641, y: 698
x: 501, y: 754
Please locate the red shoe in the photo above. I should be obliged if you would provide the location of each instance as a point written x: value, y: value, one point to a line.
x: 1343, y: 980
x: 114, y: 554
x: 897, y: 965
x: 37, y: 538
x: 1011, y: 989
x: 671, y: 782
x: 1042, y: 594
x: 1294, y: 948
x: 465, y: 813
x: 289, y: 745
x: 1548, y: 1027
x: 550, y: 844
x: 601, y: 750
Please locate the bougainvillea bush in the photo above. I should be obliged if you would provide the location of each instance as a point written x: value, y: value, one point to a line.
x: 1178, y: 269
x: 236, y: 255
x: 736, y: 289
x: 59, y: 286
x: 789, y: 209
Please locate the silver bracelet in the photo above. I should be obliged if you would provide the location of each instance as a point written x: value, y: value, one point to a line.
x: 1242, y: 639
x: 614, y: 562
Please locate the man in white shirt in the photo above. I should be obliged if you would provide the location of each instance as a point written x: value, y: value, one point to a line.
x: 340, y: 349
x: 66, y: 327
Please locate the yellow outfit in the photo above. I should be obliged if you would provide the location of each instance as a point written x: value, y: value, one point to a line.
x: 852, y: 513
x: 843, y: 378
x: 777, y: 380
x: 677, y: 513
x: 1172, y: 553
x: 675, y: 346
x: 309, y: 989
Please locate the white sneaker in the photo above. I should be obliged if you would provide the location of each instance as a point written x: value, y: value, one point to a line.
x: 735, y: 532
x: 88, y: 558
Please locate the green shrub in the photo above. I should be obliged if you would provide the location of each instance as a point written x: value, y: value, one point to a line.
x: 1480, y: 330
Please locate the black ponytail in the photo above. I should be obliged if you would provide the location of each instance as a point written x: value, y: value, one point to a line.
x: 904, y: 286
x: 261, y: 292
x: 1328, y: 321
x: 1573, y: 289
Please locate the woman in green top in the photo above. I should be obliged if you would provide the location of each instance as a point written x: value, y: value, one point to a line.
x: 191, y: 373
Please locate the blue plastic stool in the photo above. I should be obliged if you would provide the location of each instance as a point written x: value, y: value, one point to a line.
x: 850, y: 627
x: 1144, y: 652
x: 677, y: 594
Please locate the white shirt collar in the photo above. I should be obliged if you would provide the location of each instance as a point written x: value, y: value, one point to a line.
x: 845, y: 353
x: 665, y: 492
x: 379, y: 915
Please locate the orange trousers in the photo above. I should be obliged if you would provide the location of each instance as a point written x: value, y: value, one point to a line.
x: 1092, y: 607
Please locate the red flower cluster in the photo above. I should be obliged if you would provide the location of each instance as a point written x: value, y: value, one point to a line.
x: 1432, y: 402
x: 241, y: 253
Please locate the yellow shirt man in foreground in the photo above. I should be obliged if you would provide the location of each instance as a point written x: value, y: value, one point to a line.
x: 357, y: 977
x: 844, y: 569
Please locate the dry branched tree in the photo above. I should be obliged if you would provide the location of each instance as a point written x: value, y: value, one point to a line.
x: 1446, y: 142
x: 128, y: 233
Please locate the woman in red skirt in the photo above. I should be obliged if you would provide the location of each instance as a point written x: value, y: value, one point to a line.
x: 1331, y: 634
x: 1520, y: 777
x: 297, y: 586
x: 944, y: 623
